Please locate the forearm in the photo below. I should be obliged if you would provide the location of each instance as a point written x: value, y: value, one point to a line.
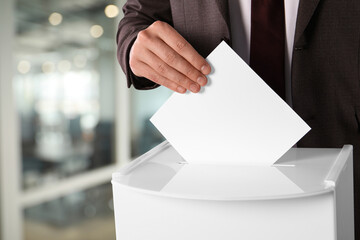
x: 138, y: 15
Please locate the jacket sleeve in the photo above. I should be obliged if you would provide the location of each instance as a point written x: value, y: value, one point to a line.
x: 138, y: 15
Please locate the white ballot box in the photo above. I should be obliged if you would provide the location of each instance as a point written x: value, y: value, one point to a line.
x: 307, y: 194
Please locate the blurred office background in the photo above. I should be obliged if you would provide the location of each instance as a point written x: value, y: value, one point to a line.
x: 67, y: 120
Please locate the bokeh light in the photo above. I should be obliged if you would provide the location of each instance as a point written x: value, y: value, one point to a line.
x: 48, y: 67
x: 96, y: 31
x: 80, y: 61
x: 64, y: 66
x: 55, y: 18
x: 24, y: 67
x: 111, y: 11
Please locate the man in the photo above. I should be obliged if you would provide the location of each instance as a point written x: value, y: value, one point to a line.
x: 165, y: 41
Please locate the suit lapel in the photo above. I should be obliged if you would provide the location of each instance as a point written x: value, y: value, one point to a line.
x: 222, y: 6
x: 305, y: 12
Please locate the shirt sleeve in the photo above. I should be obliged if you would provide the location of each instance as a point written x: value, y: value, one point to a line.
x: 138, y: 15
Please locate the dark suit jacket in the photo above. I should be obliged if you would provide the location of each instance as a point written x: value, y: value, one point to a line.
x: 325, y: 65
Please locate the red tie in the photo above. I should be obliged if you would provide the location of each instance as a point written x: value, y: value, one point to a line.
x: 267, y: 45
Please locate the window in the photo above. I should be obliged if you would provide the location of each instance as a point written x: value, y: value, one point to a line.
x: 64, y: 88
x: 68, y: 120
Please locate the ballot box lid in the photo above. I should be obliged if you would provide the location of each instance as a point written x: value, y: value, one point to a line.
x: 300, y: 172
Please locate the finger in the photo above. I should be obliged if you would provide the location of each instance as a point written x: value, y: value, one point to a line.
x: 170, y: 36
x: 168, y: 72
x: 154, y: 76
x: 173, y: 59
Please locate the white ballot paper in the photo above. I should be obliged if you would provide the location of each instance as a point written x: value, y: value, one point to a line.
x: 235, y: 119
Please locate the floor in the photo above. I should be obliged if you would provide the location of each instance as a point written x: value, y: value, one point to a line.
x: 87, y: 230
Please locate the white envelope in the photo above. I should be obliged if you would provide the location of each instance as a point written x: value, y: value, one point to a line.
x: 236, y: 119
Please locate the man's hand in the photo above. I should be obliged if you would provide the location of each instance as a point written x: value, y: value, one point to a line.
x: 162, y: 55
